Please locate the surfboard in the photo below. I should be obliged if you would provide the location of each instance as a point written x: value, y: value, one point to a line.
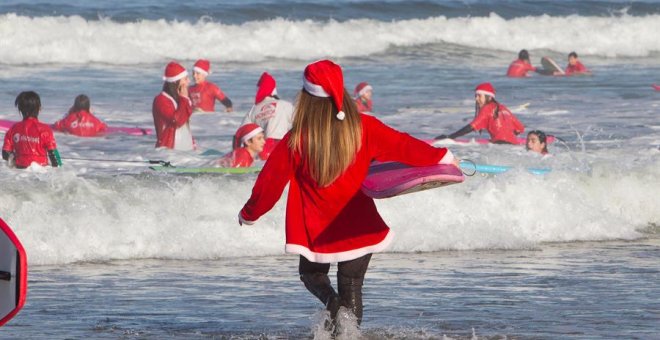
x: 498, y: 169
x: 656, y: 87
x: 6, y: 124
x: 519, y: 141
x: 551, y: 66
x: 202, y: 170
x: 13, y: 274
x: 394, y: 179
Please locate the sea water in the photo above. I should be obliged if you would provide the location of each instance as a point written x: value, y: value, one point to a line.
x: 118, y: 250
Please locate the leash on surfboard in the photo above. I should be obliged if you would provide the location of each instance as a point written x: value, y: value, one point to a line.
x: 472, y: 166
x: 159, y: 162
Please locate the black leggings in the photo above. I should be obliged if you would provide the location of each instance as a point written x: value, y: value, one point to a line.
x: 356, y: 268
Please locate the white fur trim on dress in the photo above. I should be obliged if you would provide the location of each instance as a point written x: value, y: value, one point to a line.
x: 485, y: 92
x: 313, y: 89
x: 201, y: 70
x: 341, y: 256
x: 177, y: 77
x: 251, y: 134
x: 176, y: 106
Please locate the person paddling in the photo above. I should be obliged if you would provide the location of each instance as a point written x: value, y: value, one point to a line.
x: 520, y: 66
x: 324, y: 159
x: 80, y: 121
x: 496, y: 118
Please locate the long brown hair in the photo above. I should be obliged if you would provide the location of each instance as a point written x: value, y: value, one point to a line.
x: 172, y: 88
x: 327, y: 144
x: 80, y: 103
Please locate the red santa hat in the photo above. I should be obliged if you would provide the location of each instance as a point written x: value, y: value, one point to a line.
x: 361, y: 88
x: 265, y: 87
x: 485, y: 88
x: 244, y: 133
x: 202, y: 66
x: 324, y: 78
x: 174, y: 71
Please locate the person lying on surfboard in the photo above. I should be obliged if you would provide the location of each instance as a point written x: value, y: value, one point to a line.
x: 500, y: 122
x: 537, y: 142
x: 574, y: 66
x: 172, y: 109
x: 248, y: 143
x: 30, y: 141
x: 80, y: 121
x: 362, y: 96
x: 204, y: 93
x: 324, y: 159
x: 273, y: 114
x: 520, y: 66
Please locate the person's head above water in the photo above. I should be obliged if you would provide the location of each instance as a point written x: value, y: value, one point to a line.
x: 572, y: 58
x: 28, y: 103
x: 363, y: 90
x: 523, y: 55
x: 484, y: 93
x: 251, y: 136
x: 80, y: 103
x: 537, y: 142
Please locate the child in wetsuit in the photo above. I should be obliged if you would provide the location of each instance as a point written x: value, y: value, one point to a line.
x: 30, y: 141
x: 80, y: 121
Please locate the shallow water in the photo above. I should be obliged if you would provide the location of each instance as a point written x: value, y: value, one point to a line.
x: 581, y: 290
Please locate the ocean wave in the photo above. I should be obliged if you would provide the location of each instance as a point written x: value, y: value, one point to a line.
x: 62, y: 217
x: 75, y: 40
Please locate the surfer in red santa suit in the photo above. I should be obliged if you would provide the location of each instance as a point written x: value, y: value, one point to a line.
x: 362, y: 95
x: 501, y: 124
x: 273, y: 114
x: 248, y: 143
x: 520, y: 66
x: 204, y: 93
x: 324, y: 159
x: 172, y: 110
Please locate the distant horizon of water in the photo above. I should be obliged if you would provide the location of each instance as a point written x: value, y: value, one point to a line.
x: 118, y: 234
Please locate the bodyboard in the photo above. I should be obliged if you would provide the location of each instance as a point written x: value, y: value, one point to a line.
x: 203, y: 170
x: 394, y: 179
x: 551, y: 66
x: 13, y: 274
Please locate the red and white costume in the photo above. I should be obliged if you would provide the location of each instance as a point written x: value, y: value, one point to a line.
x: 519, y: 68
x: 204, y: 94
x: 576, y: 69
x: 364, y: 105
x: 171, y: 117
x: 275, y: 116
x: 81, y: 123
x: 29, y: 140
x: 337, y: 222
x: 241, y: 156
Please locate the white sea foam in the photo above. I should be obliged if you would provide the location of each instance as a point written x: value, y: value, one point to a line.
x: 73, y: 39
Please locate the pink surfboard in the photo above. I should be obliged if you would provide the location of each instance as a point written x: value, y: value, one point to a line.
x: 394, y: 179
x: 656, y: 87
x: 519, y: 140
x: 13, y: 274
x: 133, y: 131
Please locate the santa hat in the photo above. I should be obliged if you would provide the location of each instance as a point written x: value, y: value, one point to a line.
x: 324, y: 78
x: 174, y: 71
x: 361, y: 88
x: 485, y: 88
x: 244, y: 133
x: 202, y: 66
x: 265, y: 87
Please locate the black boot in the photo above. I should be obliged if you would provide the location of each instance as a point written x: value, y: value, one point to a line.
x: 319, y: 285
x: 350, y: 293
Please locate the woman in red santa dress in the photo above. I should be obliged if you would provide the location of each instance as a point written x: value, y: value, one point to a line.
x: 324, y: 159
x: 172, y: 110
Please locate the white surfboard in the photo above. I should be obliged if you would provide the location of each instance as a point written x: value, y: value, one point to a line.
x: 13, y: 274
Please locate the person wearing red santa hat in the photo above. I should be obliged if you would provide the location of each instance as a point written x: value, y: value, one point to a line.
x: 362, y: 95
x: 172, y: 110
x: 273, y: 114
x: 520, y: 66
x: 501, y: 124
x: 80, y: 121
x: 324, y: 159
x: 204, y: 93
x: 248, y: 143
x: 30, y: 141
